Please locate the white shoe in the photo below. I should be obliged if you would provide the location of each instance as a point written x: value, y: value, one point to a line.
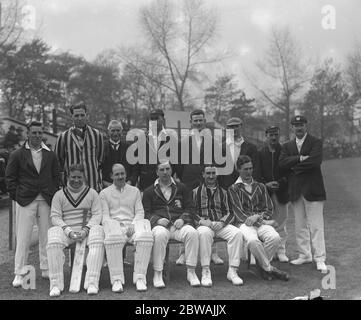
x: 216, y: 259
x: 282, y: 257
x: 141, y: 285
x: 321, y: 266
x: 181, y: 260
x: 92, y: 290
x: 233, y: 277
x: 55, y: 292
x: 192, y: 277
x: 18, y: 281
x: 117, y: 286
x: 300, y: 261
x: 158, y: 280
x: 206, y: 277
x: 45, y: 274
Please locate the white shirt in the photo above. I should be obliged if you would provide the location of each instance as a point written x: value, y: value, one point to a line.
x: 115, y: 144
x: 37, y: 156
x: 197, y: 137
x: 235, y: 146
x: 247, y: 186
x: 299, y: 142
x: 166, y: 190
x: 156, y: 141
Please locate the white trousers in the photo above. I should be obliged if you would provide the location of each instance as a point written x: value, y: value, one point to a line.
x: 187, y: 234
x: 309, y: 229
x: 37, y: 211
x: 281, y: 216
x: 263, y: 242
x: 230, y: 233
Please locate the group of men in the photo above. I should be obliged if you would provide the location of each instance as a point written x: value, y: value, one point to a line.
x: 108, y: 201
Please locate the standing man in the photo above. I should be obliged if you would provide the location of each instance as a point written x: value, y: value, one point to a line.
x: 211, y: 202
x: 147, y: 172
x: 11, y: 139
x: 169, y: 207
x: 81, y: 144
x: 276, y: 182
x: 115, y: 151
x: 76, y: 214
x: 32, y: 177
x: 302, y: 158
x: 253, y: 211
x: 122, y: 210
x: 238, y: 146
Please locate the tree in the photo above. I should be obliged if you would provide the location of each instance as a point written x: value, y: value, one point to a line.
x: 328, y: 97
x: 353, y: 69
x: 177, y: 38
x: 284, y: 68
x: 10, y: 20
x: 242, y: 107
x: 221, y: 97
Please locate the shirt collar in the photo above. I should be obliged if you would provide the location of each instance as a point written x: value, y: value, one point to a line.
x: 239, y: 180
x: 300, y: 141
x: 113, y: 142
x: 156, y: 182
x: 43, y: 146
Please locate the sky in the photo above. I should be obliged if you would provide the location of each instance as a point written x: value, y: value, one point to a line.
x: 87, y: 27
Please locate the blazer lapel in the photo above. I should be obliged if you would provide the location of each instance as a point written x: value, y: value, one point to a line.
x: 75, y: 139
x: 304, y: 144
x: 174, y: 192
x: 44, y: 160
x: 159, y: 193
x: 30, y: 161
x: 294, y: 147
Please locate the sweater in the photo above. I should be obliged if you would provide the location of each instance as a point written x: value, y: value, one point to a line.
x: 124, y: 206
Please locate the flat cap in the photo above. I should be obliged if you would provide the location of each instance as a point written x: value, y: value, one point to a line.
x: 234, y: 121
x: 156, y: 113
x: 298, y: 119
x: 272, y: 129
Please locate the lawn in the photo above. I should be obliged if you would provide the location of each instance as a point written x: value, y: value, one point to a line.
x: 343, y: 240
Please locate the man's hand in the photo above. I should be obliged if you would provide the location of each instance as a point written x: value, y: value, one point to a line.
x: 303, y: 158
x: 82, y: 235
x: 178, y: 223
x: 130, y: 231
x: 272, y: 185
x: 217, y: 225
x: 250, y: 221
x: 205, y: 222
x: 272, y: 223
x: 163, y: 222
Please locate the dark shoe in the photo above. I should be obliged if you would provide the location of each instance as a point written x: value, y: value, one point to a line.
x: 265, y: 275
x: 282, y: 275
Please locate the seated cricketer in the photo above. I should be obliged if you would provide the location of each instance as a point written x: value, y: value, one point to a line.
x: 122, y: 214
x: 211, y: 202
x: 169, y: 207
x: 76, y: 215
x: 253, y: 210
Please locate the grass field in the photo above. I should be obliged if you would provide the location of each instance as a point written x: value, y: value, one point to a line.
x: 343, y: 240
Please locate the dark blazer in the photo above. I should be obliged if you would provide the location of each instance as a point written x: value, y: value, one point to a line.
x: 305, y: 178
x: 23, y: 181
x: 179, y: 205
x: 270, y: 171
x: 117, y: 156
x: 249, y: 149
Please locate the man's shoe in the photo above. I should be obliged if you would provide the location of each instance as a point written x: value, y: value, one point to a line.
x: 55, y: 292
x: 265, y: 275
x: 181, y: 260
x: 276, y: 273
x: 282, y: 257
x: 18, y: 281
x: 300, y: 261
x: 92, y: 290
x: 192, y: 277
x: 117, y: 286
x: 321, y: 266
x: 45, y: 274
x: 158, y: 280
x: 206, y: 277
x: 233, y: 277
x: 141, y: 285
x: 216, y: 259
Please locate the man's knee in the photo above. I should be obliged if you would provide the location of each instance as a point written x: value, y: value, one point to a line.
x: 204, y: 231
x: 55, y: 235
x: 191, y: 233
x: 160, y: 233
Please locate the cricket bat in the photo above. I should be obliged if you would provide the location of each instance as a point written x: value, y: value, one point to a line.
x: 78, y: 263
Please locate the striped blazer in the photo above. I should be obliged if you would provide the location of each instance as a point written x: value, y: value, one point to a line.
x: 69, y: 150
x: 213, y: 206
x: 245, y: 204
